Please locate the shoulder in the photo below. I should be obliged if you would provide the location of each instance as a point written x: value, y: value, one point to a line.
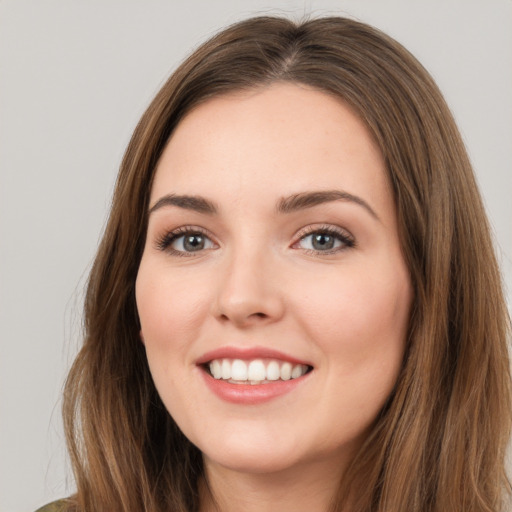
x: 56, y: 506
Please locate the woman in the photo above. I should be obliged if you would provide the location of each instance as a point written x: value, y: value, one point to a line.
x: 296, y: 304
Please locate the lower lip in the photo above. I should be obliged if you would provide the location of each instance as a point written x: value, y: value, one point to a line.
x: 250, y: 394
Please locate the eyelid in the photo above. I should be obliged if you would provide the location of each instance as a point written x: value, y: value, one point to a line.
x: 342, y: 234
x: 164, y: 241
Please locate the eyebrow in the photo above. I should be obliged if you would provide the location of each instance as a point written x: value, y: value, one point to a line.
x: 304, y: 200
x: 195, y: 203
x: 285, y: 205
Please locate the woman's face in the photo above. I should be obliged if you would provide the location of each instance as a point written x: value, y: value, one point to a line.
x: 272, y: 292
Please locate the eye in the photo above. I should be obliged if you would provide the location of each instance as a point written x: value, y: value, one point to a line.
x: 185, y: 241
x: 191, y: 242
x: 327, y: 240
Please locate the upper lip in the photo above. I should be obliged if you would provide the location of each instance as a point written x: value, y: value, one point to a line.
x: 248, y: 353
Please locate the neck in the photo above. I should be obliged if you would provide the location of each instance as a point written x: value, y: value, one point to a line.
x: 299, y: 489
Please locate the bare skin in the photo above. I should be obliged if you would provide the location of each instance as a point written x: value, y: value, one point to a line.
x: 301, y: 490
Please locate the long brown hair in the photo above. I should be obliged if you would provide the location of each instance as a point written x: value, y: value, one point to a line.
x: 439, y: 444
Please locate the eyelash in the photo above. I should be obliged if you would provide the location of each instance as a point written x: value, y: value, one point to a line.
x: 164, y: 242
x: 343, y: 236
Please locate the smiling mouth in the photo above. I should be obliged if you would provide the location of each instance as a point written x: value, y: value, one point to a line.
x: 255, y: 371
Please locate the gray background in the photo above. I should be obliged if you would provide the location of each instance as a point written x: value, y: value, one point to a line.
x: 74, y: 78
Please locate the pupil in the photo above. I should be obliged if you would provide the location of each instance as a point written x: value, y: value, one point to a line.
x: 323, y: 242
x: 193, y: 243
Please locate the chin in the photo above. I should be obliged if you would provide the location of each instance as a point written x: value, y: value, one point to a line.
x: 249, y: 452
x: 251, y: 461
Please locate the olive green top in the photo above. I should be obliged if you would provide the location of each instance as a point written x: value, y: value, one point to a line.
x: 56, y: 506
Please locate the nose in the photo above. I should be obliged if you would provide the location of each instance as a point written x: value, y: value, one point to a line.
x: 248, y: 292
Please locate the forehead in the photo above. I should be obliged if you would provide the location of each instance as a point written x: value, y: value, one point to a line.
x: 281, y: 139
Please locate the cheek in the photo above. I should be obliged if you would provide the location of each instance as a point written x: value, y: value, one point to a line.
x: 364, y: 322
x: 361, y: 332
x: 168, y: 313
x: 170, y: 309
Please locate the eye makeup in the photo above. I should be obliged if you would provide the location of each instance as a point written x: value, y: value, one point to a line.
x: 185, y: 241
x: 324, y: 240
x: 318, y: 240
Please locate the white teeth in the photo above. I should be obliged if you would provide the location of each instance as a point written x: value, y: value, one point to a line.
x: 297, y: 371
x: 239, y: 370
x: 216, y: 369
x: 257, y: 371
x: 226, y: 369
x: 273, y: 372
x: 286, y: 371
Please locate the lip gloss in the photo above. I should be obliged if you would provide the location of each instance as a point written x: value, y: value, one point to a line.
x: 247, y: 393
x: 250, y: 394
x: 248, y: 353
